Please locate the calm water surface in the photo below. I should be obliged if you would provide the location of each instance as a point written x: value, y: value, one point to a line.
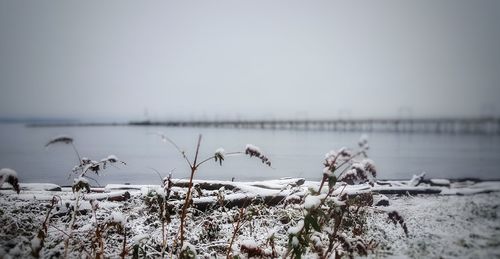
x: 293, y: 153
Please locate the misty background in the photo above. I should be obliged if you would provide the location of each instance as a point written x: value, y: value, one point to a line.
x: 124, y: 60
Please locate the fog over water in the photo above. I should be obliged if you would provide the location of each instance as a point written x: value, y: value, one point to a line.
x: 122, y: 60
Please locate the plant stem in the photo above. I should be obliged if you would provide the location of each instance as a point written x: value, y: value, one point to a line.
x: 124, y: 248
x: 235, y: 231
x: 72, y: 224
x: 334, y: 168
x: 76, y: 152
x: 212, y: 157
x: 178, y: 148
x: 185, y: 207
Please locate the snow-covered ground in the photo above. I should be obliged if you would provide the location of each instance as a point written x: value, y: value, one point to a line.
x: 442, y: 226
x: 452, y: 219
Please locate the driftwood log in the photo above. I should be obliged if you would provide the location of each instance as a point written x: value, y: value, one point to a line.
x: 212, y: 186
x: 274, y: 200
x: 276, y: 192
x: 241, y: 202
x: 407, y: 191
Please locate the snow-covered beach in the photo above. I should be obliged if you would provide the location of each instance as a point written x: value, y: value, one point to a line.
x: 249, y: 129
x: 443, y: 218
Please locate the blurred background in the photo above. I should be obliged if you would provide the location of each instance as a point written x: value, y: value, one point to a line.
x: 296, y: 78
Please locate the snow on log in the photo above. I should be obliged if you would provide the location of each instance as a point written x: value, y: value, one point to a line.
x: 407, y: 190
x: 40, y: 187
x: 216, y: 185
x: 111, y: 196
x: 380, y: 200
x: 440, y: 182
x: 237, y: 200
x: 124, y: 187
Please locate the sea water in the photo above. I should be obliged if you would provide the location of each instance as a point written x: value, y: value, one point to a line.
x: 293, y: 153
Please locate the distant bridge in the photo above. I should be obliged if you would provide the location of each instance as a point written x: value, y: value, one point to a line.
x: 490, y: 125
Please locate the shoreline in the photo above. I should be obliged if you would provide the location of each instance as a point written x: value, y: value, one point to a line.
x: 460, y: 221
x: 417, y: 185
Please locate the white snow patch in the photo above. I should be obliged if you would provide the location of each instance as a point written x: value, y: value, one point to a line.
x: 111, y: 187
x: 251, y: 244
x: 330, y: 154
x: 440, y: 181
x: 112, y: 158
x: 39, y: 187
x: 36, y: 243
x: 80, y: 180
x: 416, y: 179
x: 117, y: 217
x: 139, y: 238
x: 297, y: 228
x: 363, y: 140
x: 312, y: 202
x: 252, y: 147
x: 5, y: 172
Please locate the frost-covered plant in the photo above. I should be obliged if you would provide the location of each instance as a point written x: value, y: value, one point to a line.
x: 252, y: 150
x: 38, y: 241
x: 88, y: 165
x: 245, y: 216
x: 10, y: 176
x: 251, y: 249
x: 64, y: 140
x: 85, y: 164
x: 210, y: 229
x: 396, y: 218
x: 344, y: 165
x: 80, y: 182
x: 219, y: 156
x: 156, y: 201
x: 114, y: 221
x: 240, y: 220
x: 188, y: 251
x: 332, y: 222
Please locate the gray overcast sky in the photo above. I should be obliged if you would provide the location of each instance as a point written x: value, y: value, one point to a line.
x: 267, y: 59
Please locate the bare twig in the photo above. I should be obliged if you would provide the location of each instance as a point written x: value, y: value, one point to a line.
x: 165, y: 138
x: 188, y: 195
x: 236, y: 229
